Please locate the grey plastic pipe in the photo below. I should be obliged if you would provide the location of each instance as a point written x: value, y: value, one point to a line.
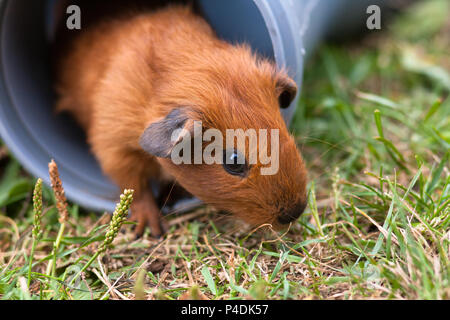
x: 286, y: 30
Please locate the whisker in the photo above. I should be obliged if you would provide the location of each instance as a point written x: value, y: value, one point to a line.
x: 276, y: 234
x: 191, y: 205
x: 168, y: 196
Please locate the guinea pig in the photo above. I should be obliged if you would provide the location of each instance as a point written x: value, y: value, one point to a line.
x: 132, y: 81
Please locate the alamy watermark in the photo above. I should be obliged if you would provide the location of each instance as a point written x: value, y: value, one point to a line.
x: 374, y: 20
x: 235, y: 139
x: 73, y: 22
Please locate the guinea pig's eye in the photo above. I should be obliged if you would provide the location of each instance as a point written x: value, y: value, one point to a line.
x: 285, y: 99
x: 234, y: 163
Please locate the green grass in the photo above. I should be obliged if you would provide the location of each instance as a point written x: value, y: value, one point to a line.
x: 374, y: 127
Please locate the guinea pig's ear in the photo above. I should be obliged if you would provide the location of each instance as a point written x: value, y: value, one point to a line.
x: 159, y: 139
x: 287, y: 90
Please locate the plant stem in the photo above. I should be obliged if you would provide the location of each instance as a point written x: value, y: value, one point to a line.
x: 33, y: 247
x: 95, y: 256
x: 51, y: 267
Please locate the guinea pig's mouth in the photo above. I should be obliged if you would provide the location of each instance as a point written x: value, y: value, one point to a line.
x: 292, y: 214
x: 279, y: 221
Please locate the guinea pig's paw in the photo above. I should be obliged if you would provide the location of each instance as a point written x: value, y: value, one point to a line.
x: 147, y: 218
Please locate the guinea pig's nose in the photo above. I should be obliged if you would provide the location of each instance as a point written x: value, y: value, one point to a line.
x: 291, y: 214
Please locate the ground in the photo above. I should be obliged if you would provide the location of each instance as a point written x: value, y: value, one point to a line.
x: 373, y: 124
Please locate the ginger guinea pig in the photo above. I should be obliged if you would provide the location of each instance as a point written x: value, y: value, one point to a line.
x: 133, y: 81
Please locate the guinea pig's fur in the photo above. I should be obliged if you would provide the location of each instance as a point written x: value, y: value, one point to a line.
x: 122, y: 78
